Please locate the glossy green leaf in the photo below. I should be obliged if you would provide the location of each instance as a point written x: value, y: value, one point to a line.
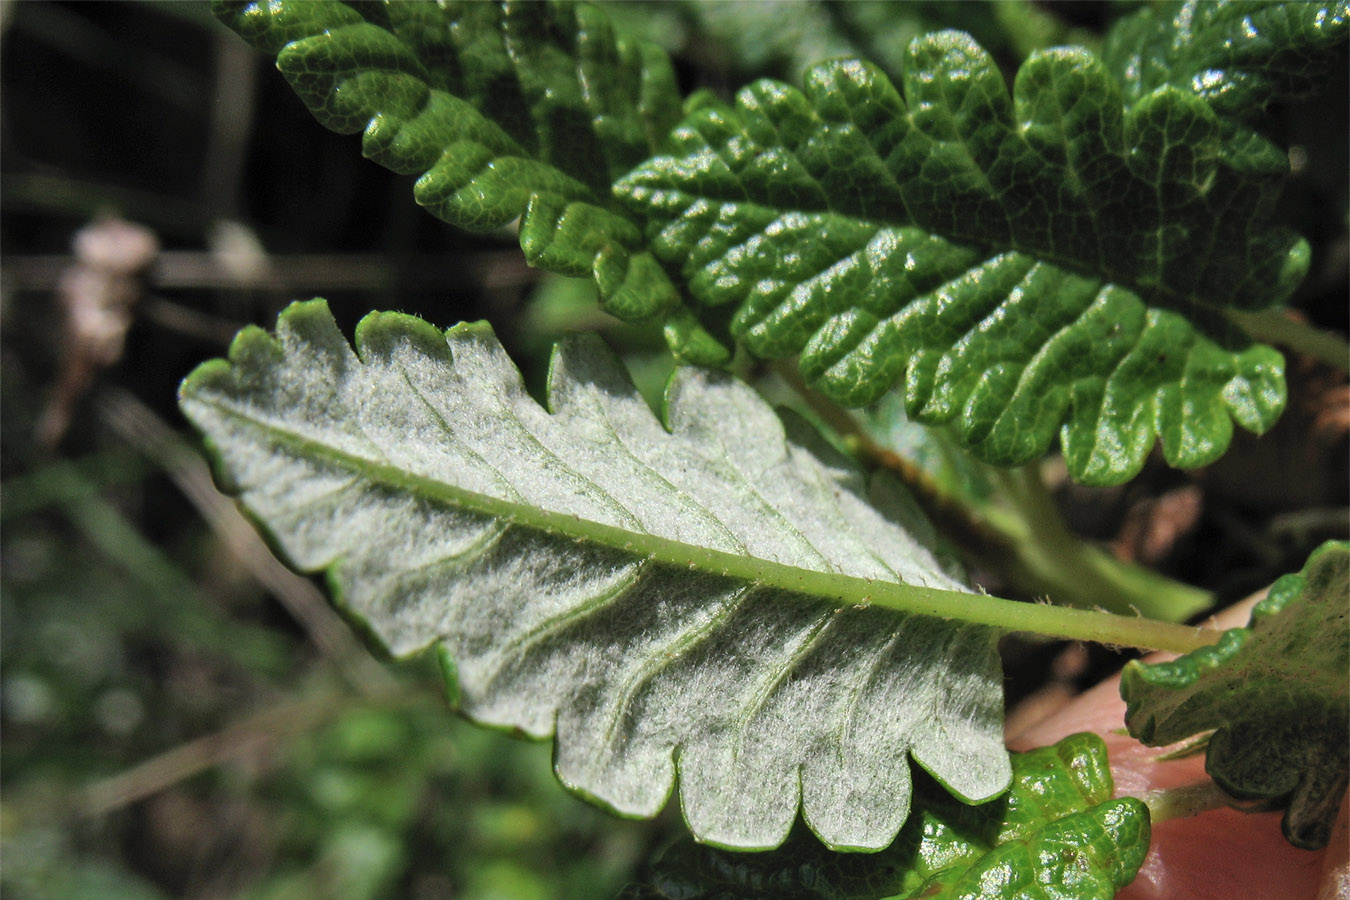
x: 1277, y: 692
x: 1018, y: 263
x: 1057, y: 263
x: 503, y: 111
x: 1057, y: 833
x: 662, y: 600
x: 1237, y: 55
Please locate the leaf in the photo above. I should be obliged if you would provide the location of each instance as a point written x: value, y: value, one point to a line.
x: 1237, y: 56
x: 1058, y: 263
x: 503, y: 111
x: 955, y: 476
x: 1277, y: 694
x: 1056, y: 828
x: 662, y: 600
x: 1018, y: 263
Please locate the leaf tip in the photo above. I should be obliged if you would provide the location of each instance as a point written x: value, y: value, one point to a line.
x: 380, y: 334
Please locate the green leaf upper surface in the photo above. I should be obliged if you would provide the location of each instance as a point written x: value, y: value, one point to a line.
x: 503, y: 110
x: 1277, y: 692
x: 1057, y: 262
x: 1019, y: 263
x: 1238, y: 55
x: 1057, y: 829
x: 633, y: 590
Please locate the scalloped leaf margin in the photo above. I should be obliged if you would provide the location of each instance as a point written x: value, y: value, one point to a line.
x: 1057, y: 832
x: 1277, y: 692
x: 503, y: 111
x: 1049, y: 263
x: 658, y: 599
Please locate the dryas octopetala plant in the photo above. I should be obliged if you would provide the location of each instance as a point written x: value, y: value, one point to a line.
x: 719, y: 605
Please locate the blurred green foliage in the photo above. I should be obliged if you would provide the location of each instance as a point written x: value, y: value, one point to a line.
x: 385, y: 796
x: 398, y: 802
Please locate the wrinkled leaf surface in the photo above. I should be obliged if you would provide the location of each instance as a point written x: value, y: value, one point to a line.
x: 1278, y: 693
x: 1026, y: 266
x: 1056, y: 833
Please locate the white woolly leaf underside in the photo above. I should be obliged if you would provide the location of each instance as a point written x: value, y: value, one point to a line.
x: 385, y: 469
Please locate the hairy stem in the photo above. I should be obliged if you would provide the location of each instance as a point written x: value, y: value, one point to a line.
x: 848, y: 590
x: 1028, y: 540
x: 139, y: 426
x: 1185, y: 800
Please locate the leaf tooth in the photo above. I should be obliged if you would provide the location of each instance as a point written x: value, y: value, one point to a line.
x: 625, y: 722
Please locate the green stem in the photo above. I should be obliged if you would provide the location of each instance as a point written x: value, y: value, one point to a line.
x: 1028, y: 541
x: 1185, y: 800
x: 1273, y: 326
x: 848, y: 590
x: 1071, y: 570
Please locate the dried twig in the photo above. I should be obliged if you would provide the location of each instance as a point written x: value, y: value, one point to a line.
x: 253, y: 735
x: 98, y: 292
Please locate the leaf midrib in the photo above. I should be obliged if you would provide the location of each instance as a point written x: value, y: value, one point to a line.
x: 835, y: 588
